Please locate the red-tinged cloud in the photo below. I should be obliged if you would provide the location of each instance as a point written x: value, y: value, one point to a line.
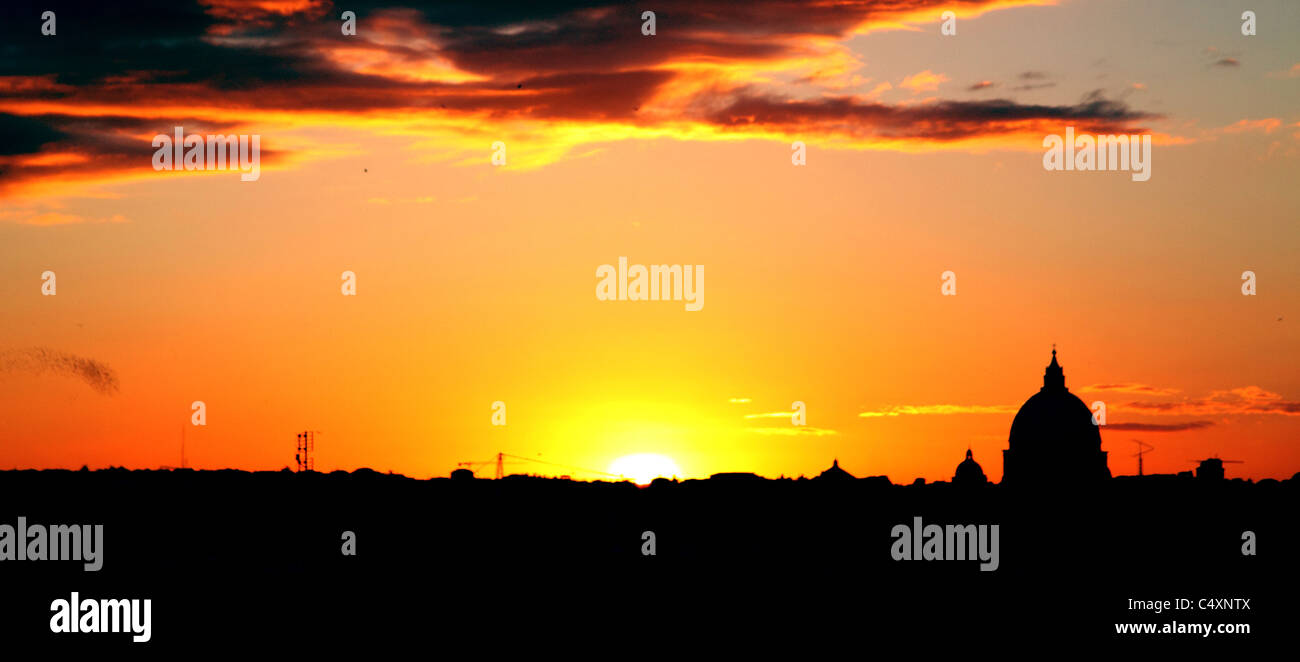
x: 56, y: 149
x: 557, y: 74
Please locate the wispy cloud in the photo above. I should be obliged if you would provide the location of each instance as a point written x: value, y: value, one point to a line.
x: 773, y: 414
x: 923, y: 81
x: 30, y: 216
x: 400, y: 201
x: 1293, y: 72
x: 1217, y: 58
x: 938, y: 410
x: 794, y: 431
x: 1160, y: 427
x: 1267, y: 125
x: 1144, y: 389
x: 1246, y: 400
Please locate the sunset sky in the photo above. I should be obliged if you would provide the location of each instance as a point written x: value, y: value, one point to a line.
x: 475, y: 282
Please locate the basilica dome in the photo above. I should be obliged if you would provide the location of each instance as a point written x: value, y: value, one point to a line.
x: 1053, y: 438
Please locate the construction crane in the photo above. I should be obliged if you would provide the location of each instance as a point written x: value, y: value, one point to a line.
x: 1143, y: 447
x: 501, y: 461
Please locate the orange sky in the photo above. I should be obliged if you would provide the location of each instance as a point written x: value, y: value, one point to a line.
x: 475, y: 283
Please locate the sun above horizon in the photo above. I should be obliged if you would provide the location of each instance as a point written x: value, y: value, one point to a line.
x: 642, y: 468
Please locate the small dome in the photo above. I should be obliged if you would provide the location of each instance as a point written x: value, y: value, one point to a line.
x: 835, y: 473
x: 969, y: 472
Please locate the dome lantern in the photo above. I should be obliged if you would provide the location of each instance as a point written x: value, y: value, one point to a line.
x: 1054, y: 376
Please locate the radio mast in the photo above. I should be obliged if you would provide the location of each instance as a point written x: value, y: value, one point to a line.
x: 306, y: 445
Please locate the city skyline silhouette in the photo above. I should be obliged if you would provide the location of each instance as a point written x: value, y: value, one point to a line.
x: 598, y: 328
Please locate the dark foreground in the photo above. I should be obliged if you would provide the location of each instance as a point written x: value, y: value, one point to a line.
x: 240, y: 560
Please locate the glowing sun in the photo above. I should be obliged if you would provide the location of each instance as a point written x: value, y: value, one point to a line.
x: 645, y: 467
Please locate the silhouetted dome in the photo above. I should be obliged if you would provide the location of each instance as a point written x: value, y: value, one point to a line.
x: 835, y: 473
x: 1053, y: 438
x: 969, y: 472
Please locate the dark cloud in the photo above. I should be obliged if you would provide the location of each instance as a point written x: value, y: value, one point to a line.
x: 495, y: 14
x: 98, y: 39
x: 574, y: 60
x: 103, y: 144
x: 1032, y: 86
x: 232, y: 43
x: 25, y: 135
x: 228, y: 44
x: 947, y: 120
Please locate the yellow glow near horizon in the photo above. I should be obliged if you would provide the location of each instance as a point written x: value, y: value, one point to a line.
x: 645, y: 467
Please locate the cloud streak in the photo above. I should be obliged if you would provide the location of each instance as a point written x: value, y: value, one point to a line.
x: 1144, y: 389
x: 1160, y: 427
x: 794, y: 431
x: 773, y: 414
x: 938, y: 410
x: 1246, y: 400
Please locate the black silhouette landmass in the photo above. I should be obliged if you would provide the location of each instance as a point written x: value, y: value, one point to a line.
x: 257, y: 555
